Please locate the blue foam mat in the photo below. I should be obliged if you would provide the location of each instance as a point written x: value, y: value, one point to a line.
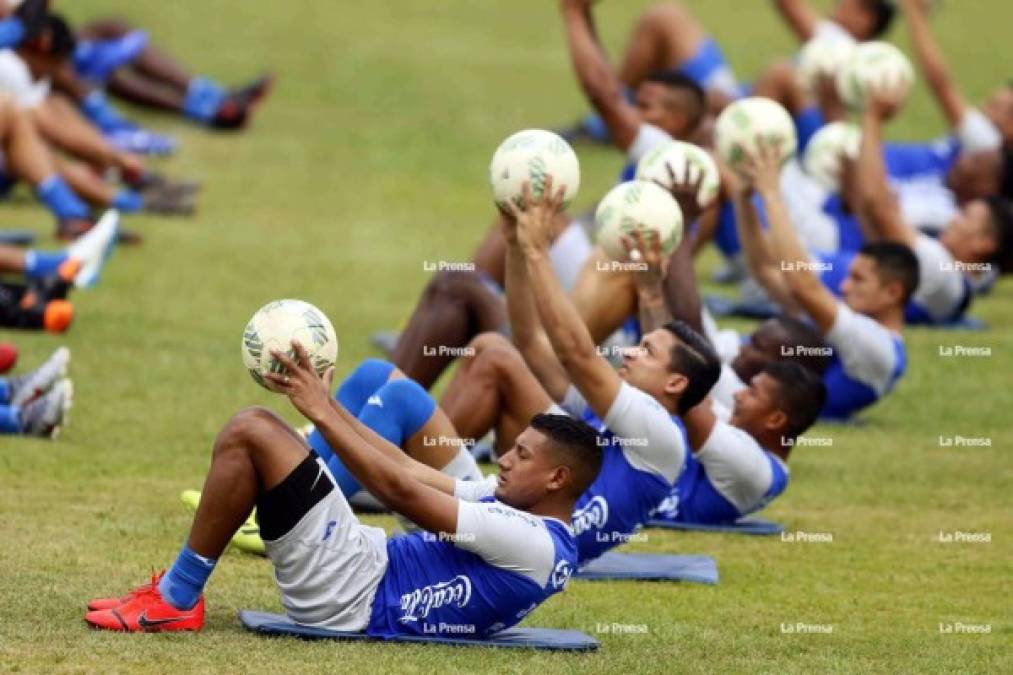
x: 513, y: 638
x: 17, y: 237
x: 700, y: 569
x: 755, y: 526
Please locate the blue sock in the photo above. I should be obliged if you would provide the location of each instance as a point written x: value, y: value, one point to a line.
x: 40, y: 264
x: 397, y: 410
x: 184, y: 582
x: 128, y: 201
x: 10, y: 419
x: 60, y: 199
x: 5, y: 390
x: 96, y: 107
x: 12, y: 32
x: 203, y: 98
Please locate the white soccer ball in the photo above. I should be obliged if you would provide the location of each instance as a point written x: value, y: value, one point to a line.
x: 275, y: 325
x: 874, y: 64
x: 532, y: 155
x: 638, y: 205
x: 822, y: 56
x: 688, y: 163
x: 739, y: 125
x: 825, y: 154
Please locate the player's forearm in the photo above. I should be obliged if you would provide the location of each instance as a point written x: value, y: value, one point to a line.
x: 788, y: 250
x: 759, y: 260
x: 421, y: 472
x: 799, y: 17
x: 933, y: 63
x: 652, y: 310
x: 878, y: 209
x: 681, y: 295
x: 599, y: 82
x: 567, y: 333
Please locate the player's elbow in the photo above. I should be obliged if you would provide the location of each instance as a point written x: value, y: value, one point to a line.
x: 398, y: 491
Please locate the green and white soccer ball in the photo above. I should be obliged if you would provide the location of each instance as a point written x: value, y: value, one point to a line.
x: 741, y: 123
x: 874, y: 64
x: 822, y: 56
x: 638, y: 205
x: 825, y: 154
x: 688, y: 163
x: 275, y: 325
x: 532, y: 155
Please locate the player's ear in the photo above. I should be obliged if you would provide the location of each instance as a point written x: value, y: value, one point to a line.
x: 559, y: 477
x: 676, y: 384
x: 776, y: 420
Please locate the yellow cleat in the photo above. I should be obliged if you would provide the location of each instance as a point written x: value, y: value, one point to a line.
x: 247, y: 538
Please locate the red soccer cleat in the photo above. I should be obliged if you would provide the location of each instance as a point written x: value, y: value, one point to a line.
x: 112, y: 603
x: 147, y: 612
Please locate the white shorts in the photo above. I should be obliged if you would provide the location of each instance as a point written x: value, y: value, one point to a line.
x: 328, y: 566
x: 17, y: 82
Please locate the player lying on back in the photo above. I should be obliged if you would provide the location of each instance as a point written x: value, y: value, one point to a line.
x: 978, y: 240
x: 864, y: 330
x: 36, y: 403
x: 476, y: 568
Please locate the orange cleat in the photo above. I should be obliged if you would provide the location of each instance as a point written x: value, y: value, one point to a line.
x: 147, y: 612
x: 112, y: 603
x: 58, y: 316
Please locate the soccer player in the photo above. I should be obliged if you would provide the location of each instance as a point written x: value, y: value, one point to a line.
x: 667, y: 104
x: 864, y: 330
x: 978, y: 240
x: 36, y: 403
x: 112, y: 53
x: 476, y: 568
x: 853, y: 20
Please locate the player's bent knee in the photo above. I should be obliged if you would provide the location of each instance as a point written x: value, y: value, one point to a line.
x: 490, y: 341
x: 245, y: 426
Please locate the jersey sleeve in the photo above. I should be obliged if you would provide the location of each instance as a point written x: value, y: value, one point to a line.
x: 475, y: 490
x: 573, y: 403
x: 976, y: 132
x: 940, y: 286
x: 655, y: 444
x: 736, y: 466
x: 648, y: 138
x: 865, y: 348
x: 17, y: 81
x: 506, y: 538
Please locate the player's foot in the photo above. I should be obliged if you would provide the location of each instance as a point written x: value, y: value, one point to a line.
x: 27, y: 387
x: 99, y: 604
x: 247, y: 537
x: 169, y: 201
x: 147, y: 612
x: 256, y: 91
x: 93, y: 248
x: 47, y: 414
x: 232, y: 114
x: 385, y: 340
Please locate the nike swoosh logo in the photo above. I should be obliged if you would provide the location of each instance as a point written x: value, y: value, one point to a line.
x: 320, y: 472
x: 144, y: 622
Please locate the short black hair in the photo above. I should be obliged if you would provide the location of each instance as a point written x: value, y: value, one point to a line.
x: 1001, y: 214
x: 62, y: 41
x: 678, y: 81
x: 894, y: 262
x: 885, y: 11
x: 1006, y: 172
x: 801, y: 394
x: 815, y: 353
x: 577, y: 442
x: 694, y: 357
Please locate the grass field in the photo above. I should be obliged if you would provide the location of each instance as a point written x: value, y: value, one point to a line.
x: 369, y: 159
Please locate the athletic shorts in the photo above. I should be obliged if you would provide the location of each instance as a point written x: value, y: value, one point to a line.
x: 326, y: 563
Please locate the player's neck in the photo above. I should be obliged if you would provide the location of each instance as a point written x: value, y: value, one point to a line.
x: 775, y: 443
x: 558, y: 507
x: 891, y: 318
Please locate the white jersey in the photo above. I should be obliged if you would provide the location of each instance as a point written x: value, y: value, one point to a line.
x: 867, y: 361
x: 730, y: 476
x: 804, y: 199
x: 943, y: 291
x: 831, y: 30
x: 17, y: 81
x: 648, y: 138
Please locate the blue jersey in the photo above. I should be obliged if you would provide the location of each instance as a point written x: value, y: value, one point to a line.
x: 516, y: 561
x: 644, y: 449
x: 729, y: 477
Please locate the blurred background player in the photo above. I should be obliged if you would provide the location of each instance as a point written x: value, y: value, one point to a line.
x: 36, y: 403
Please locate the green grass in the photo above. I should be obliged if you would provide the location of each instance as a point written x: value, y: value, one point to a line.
x: 370, y: 158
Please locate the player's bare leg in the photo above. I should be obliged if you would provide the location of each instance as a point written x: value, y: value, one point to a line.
x: 665, y: 36
x: 494, y: 389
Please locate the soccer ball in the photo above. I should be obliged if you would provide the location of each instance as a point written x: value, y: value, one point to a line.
x: 739, y: 125
x: 826, y: 150
x: 532, y: 155
x: 822, y: 56
x: 687, y: 162
x: 873, y: 64
x: 275, y: 325
x: 638, y: 205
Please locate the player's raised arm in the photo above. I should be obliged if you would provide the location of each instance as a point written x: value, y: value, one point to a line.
x: 877, y: 202
x: 599, y: 81
x: 932, y: 63
x: 526, y: 330
x: 590, y: 373
x: 430, y: 508
x: 791, y: 256
x: 799, y: 16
